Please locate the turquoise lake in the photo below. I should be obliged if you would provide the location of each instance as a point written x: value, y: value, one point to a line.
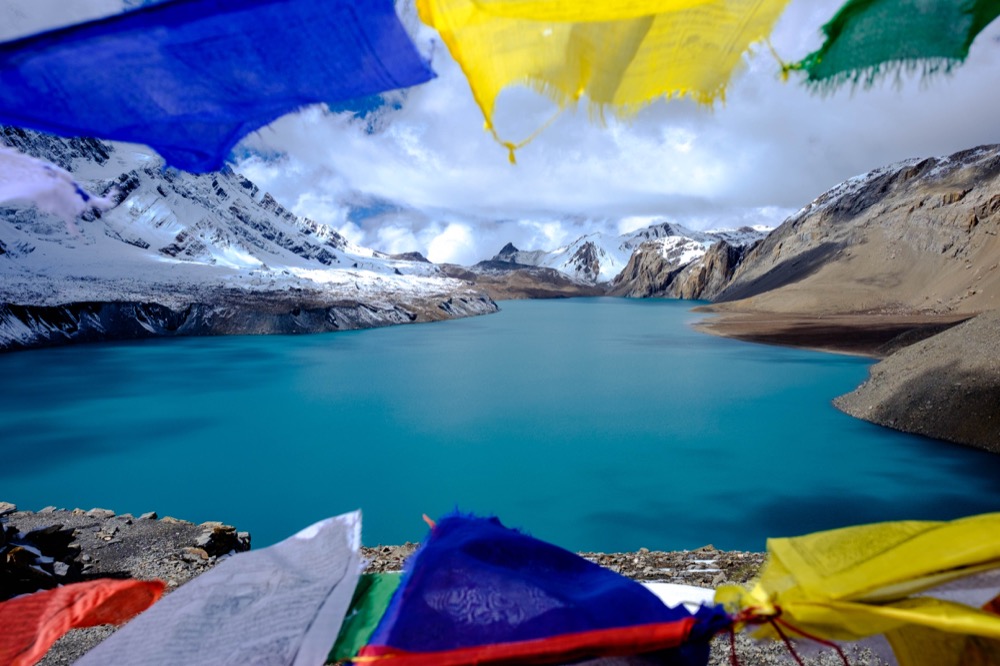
x: 597, y: 424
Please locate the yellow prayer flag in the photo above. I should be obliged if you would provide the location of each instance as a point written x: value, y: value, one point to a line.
x: 573, y: 11
x: 925, y: 585
x: 621, y: 54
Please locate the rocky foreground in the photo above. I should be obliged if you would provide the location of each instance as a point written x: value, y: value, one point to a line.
x: 176, y: 551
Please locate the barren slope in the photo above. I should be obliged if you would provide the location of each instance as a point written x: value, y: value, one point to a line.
x: 914, y: 237
x: 947, y: 387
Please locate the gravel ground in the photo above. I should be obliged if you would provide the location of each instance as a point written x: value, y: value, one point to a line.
x: 119, y: 546
x: 177, y: 551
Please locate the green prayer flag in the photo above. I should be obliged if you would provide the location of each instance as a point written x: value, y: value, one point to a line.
x: 371, y: 598
x: 868, y: 38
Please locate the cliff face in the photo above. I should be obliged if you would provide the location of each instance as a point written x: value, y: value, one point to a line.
x: 651, y: 272
x: 704, y: 279
x: 27, y: 327
x: 917, y: 236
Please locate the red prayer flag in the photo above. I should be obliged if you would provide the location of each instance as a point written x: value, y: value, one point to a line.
x: 32, y: 623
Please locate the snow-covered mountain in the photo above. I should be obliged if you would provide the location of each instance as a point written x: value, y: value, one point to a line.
x: 175, y: 240
x: 598, y: 258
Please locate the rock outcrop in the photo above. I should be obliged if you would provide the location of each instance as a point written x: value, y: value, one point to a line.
x: 946, y: 387
x: 656, y: 271
x: 706, y: 277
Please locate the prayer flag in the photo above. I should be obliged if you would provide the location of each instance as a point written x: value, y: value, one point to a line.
x: 479, y: 593
x: 33, y: 622
x: 192, y: 77
x: 371, y: 598
x: 928, y: 586
x: 51, y: 188
x: 621, y: 54
x: 279, y: 606
x: 867, y: 38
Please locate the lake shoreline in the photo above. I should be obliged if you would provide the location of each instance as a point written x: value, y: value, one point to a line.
x: 868, y: 335
x: 936, y: 376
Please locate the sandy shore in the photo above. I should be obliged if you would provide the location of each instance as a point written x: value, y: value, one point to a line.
x: 872, y: 335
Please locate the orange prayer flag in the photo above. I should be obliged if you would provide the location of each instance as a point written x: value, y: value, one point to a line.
x: 32, y: 623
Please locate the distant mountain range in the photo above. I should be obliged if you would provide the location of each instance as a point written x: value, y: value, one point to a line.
x: 662, y: 260
x: 193, y: 254
x: 599, y: 258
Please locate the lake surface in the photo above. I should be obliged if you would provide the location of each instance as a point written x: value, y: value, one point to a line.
x: 598, y: 424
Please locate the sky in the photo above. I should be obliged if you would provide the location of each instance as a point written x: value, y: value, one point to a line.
x: 422, y: 174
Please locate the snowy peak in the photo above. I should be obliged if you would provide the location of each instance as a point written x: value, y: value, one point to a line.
x: 171, y: 233
x: 664, y: 230
x: 506, y: 251
x: 185, y: 254
x: 509, y: 254
x: 586, y: 262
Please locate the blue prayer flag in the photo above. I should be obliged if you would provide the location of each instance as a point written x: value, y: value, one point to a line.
x: 479, y: 593
x: 190, y: 78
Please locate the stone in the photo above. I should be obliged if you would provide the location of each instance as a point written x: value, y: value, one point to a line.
x: 194, y: 555
x: 150, y: 515
x: 48, y: 509
x: 7, y: 507
x: 219, y: 539
x: 101, y: 513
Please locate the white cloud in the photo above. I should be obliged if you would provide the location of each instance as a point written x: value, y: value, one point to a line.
x: 453, y: 245
x: 771, y: 148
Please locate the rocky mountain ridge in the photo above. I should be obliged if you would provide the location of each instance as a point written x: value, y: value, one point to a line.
x: 184, y: 254
x: 916, y: 236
